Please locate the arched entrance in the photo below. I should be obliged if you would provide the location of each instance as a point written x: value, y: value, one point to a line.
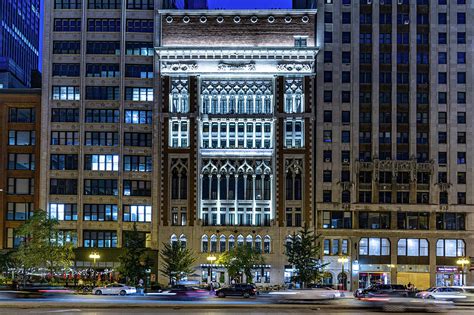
x: 342, y: 281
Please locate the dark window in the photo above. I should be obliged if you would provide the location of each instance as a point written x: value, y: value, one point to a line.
x: 140, y: 4
x: 67, y: 4
x: 337, y: 220
x: 103, y: 25
x: 67, y: 47
x: 67, y: 25
x: 136, y: 139
x: 104, y: 4
x: 139, y: 71
x: 63, y: 186
x: 413, y: 220
x: 102, y: 116
x: 140, y: 25
x: 63, y: 162
x: 21, y: 115
x: 451, y: 221
x: 100, y: 187
x: 103, y: 70
x: 100, y: 239
x: 374, y: 220
x: 64, y: 138
x: 137, y: 163
x: 100, y: 212
x: 136, y: 188
x: 102, y: 92
x: 64, y: 115
x: 103, y: 48
x: 101, y: 138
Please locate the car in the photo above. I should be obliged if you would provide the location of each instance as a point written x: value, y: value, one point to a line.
x: 114, y: 288
x: 382, y: 290
x: 244, y: 290
x: 443, y: 293
x: 188, y: 291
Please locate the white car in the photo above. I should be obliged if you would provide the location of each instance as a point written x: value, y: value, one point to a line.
x: 443, y: 293
x: 307, y: 294
x: 114, y: 288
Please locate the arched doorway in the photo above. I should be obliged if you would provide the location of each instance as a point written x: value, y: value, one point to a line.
x: 342, y: 281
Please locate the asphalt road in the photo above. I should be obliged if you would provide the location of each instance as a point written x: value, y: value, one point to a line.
x: 208, y: 305
x: 77, y: 311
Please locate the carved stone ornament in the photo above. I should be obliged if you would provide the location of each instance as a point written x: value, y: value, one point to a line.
x: 178, y: 66
x: 293, y: 67
x: 226, y: 66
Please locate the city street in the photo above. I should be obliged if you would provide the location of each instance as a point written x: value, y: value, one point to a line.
x: 89, y: 304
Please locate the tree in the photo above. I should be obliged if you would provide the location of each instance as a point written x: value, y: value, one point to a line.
x: 40, y: 247
x: 135, y: 259
x: 241, y: 260
x: 177, y: 261
x: 303, y: 252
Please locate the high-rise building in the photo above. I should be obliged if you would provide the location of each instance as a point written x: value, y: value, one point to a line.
x: 19, y: 42
x: 19, y: 170
x: 394, y: 190
x: 220, y: 128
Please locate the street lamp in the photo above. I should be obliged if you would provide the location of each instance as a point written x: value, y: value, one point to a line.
x: 94, y: 256
x: 462, y: 261
x: 211, y: 260
x: 342, y: 260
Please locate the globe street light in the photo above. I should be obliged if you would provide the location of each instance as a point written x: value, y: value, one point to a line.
x: 211, y: 260
x: 462, y: 261
x: 94, y: 256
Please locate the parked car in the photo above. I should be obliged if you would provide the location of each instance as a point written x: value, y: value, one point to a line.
x: 245, y: 290
x: 382, y: 290
x: 188, y: 291
x: 443, y: 293
x: 114, y: 288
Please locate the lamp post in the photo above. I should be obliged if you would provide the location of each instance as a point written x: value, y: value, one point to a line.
x: 462, y: 261
x: 211, y: 260
x: 342, y: 260
x: 94, y: 256
x: 390, y: 267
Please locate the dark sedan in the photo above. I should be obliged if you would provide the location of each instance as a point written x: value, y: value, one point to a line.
x: 244, y: 290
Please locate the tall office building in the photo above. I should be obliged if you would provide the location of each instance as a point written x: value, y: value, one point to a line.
x: 224, y: 128
x: 394, y: 189
x: 19, y: 42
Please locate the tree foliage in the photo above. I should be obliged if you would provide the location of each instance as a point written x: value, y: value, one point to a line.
x: 303, y: 252
x: 241, y: 260
x: 40, y: 247
x: 135, y: 259
x: 177, y: 261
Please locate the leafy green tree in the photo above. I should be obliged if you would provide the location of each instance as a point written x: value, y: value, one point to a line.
x: 177, y: 261
x: 135, y: 259
x: 303, y: 251
x: 241, y: 260
x: 40, y: 247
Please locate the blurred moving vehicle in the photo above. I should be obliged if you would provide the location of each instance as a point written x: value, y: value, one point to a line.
x: 311, y: 294
x: 446, y: 293
x: 404, y: 304
x: 244, y: 290
x: 382, y: 290
x: 114, y: 288
x: 187, y: 291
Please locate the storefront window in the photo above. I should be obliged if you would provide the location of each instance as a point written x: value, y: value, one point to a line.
x: 450, y: 248
x: 374, y: 246
x: 412, y: 247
